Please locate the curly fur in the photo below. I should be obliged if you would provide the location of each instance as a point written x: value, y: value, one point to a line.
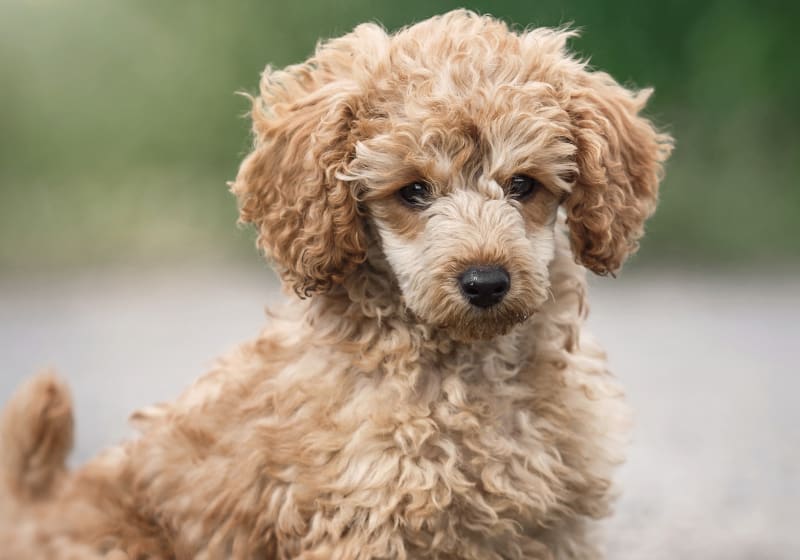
x: 383, y: 416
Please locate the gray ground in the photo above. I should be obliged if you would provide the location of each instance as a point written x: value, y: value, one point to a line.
x: 709, y: 362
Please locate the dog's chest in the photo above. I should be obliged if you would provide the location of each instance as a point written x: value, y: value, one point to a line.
x: 463, y: 456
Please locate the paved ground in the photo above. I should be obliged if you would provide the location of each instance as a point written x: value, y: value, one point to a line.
x: 710, y: 363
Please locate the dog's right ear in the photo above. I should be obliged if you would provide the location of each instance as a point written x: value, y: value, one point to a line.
x: 288, y: 187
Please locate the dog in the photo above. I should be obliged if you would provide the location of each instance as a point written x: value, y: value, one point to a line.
x: 431, y: 200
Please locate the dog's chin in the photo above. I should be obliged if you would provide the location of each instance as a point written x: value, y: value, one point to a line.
x: 472, y: 324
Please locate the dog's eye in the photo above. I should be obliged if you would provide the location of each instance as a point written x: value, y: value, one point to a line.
x: 521, y: 187
x: 416, y: 194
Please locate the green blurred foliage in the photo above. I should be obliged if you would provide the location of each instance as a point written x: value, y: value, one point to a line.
x: 120, y: 125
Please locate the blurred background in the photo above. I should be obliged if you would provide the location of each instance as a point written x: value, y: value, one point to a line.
x: 120, y: 261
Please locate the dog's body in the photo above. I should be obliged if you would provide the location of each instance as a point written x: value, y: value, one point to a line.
x: 437, y: 396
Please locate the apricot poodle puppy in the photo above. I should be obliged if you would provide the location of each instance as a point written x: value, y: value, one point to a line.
x: 433, y: 197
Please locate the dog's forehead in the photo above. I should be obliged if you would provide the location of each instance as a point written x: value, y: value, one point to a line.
x: 467, y: 99
x: 426, y: 130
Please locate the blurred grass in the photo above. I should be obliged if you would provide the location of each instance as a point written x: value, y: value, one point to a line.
x: 120, y: 125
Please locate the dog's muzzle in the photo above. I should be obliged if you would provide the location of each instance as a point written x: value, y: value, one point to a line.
x: 484, y: 286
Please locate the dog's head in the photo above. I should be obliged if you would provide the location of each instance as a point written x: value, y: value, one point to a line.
x: 452, y: 145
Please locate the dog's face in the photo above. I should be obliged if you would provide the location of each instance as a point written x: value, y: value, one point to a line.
x: 463, y: 195
x: 452, y: 145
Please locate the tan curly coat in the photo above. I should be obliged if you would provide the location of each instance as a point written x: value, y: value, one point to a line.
x: 380, y: 415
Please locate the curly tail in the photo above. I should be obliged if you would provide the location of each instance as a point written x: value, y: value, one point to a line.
x: 35, y: 438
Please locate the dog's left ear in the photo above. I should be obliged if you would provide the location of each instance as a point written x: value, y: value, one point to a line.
x: 620, y: 155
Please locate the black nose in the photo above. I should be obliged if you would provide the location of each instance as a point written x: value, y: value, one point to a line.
x: 484, y: 286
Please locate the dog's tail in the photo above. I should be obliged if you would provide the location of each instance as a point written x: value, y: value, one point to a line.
x: 35, y: 438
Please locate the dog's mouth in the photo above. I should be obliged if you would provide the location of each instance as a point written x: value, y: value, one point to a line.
x: 471, y: 323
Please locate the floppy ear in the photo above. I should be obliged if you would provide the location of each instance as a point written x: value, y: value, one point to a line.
x: 308, y: 220
x: 619, y: 156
